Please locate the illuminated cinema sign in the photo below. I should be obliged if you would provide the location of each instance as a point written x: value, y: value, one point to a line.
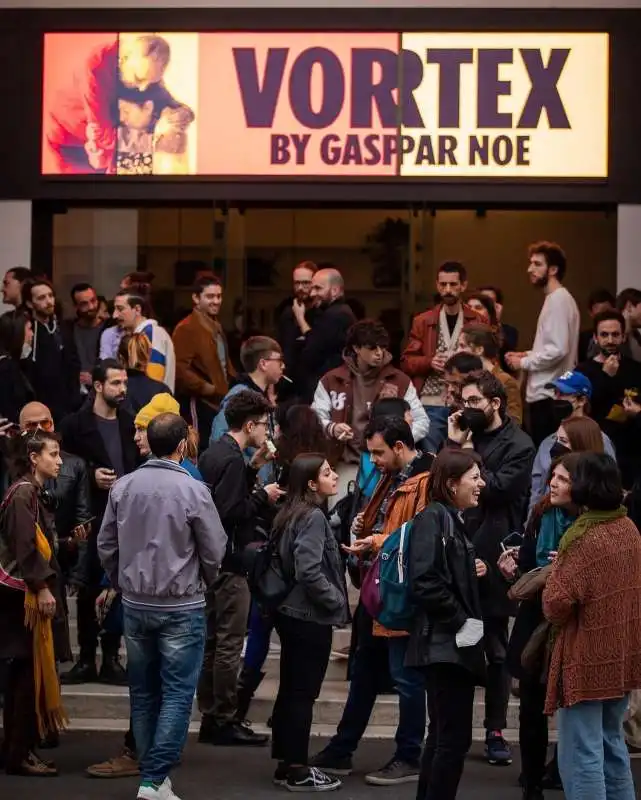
x: 480, y: 105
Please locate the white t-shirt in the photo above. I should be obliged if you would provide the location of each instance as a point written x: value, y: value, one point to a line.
x: 556, y: 344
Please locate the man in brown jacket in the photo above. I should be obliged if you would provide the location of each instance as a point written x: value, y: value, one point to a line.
x: 203, y: 368
x: 432, y: 341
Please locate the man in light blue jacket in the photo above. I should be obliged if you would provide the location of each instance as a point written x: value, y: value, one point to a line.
x: 160, y: 537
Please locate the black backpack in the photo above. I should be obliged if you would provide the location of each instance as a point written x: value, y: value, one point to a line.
x: 269, y: 582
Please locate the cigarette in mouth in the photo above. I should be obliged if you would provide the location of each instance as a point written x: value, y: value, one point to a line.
x: 285, y: 378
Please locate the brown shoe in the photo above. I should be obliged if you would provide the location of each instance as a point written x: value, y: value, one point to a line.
x: 34, y: 767
x: 123, y: 766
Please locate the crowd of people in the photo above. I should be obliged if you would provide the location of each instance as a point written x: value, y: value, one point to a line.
x: 480, y: 500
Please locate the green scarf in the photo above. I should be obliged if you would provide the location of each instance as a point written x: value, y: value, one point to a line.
x: 585, y: 522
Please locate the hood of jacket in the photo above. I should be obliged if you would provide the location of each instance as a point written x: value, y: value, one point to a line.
x: 369, y: 375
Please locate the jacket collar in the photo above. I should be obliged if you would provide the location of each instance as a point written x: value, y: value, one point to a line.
x: 163, y: 463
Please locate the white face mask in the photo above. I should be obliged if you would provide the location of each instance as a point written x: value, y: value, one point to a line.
x: 27, y: 349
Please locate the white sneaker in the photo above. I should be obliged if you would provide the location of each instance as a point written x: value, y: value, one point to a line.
x: 163, y: 792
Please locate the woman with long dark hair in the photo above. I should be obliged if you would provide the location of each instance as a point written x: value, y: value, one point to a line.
x: 316, y: 602
x: 16, y: 336
x: 31, y: 609
x: 447, y: 637
x: 300, y: 432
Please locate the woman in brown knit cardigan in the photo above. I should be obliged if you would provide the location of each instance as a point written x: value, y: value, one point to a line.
x: 593, y: 600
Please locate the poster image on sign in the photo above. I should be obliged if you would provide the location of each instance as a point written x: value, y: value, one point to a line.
x: 335, y: 105
x: 120, y: 104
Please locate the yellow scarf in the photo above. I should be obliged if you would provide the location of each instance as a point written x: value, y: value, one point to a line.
x: 49, y: 711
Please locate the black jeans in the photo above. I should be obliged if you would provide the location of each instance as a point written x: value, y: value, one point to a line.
x: 497, y: 692
x: 533, y: 730
x: 88, y: 628
x: 450, y: 706
x: 542, y: 420
x: 304, y: 656
x: 19, y: 714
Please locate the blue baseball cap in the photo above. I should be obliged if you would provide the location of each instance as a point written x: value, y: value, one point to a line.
x: 572, y: 382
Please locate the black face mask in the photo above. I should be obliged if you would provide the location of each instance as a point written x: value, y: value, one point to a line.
x: 558, y: 450
x: 562, y: 409
x: 473, y: 419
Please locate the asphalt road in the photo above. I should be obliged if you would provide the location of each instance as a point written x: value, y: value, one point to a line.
x: 209, y: 773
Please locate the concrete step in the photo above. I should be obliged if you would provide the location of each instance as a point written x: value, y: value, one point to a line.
x: 97, y: 701
x: 373, y: 732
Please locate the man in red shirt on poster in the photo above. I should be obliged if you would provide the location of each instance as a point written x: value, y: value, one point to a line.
x: 81, y: 126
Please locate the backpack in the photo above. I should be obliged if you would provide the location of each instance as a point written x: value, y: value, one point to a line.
x: 397, y: 610
x: 268, y: 581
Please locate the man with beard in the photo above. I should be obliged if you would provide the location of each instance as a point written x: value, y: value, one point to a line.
x: 556, y: 342
x: 323, y: 344
x: 53, y: 366
x: 203, y: 367
x: 290, y: 337
x: 433, y: 339
x: 611, y: 372
x: 85, y: 330
x: 399, y: 496
x: 101, y: 433
x: 508, y: 454
x: 344, y: 396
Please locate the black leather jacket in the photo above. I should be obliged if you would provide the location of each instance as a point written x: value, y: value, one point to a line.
x: 445, y: 592
x: 71, y: 492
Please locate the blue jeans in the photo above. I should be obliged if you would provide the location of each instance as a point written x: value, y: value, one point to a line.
x: 164, y: 656
x: 593, y: 758
x: 437, y: 434
x: 363, y: 690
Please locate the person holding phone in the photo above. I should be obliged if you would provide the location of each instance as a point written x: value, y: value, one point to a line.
x: 101, y: 433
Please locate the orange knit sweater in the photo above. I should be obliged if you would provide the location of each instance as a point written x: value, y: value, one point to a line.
x: 593, y: 596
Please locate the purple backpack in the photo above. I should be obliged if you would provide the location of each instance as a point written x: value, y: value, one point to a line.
x: 371, y: 590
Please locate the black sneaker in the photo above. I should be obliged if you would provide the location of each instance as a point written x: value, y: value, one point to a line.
x: 332, y: 765
x: 394, y: 773
x: 310, y: 779
x: 81, y: 672
x: 497, y: 750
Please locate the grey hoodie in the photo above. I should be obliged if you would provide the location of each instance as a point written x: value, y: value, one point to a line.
x: 161, y: 538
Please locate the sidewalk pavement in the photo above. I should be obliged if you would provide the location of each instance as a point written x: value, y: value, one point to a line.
x: 209, y: 773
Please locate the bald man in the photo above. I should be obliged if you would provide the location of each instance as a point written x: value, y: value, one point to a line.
x: 325, y: 340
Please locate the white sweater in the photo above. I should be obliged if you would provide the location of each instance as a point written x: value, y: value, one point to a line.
x: 555, y: 345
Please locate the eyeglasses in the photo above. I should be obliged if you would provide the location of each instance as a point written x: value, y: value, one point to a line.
x: 472, y: 402
x: 36, y: 425
x: 264, y: 422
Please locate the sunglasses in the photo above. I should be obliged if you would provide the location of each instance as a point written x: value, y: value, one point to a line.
x: 39, y: 425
